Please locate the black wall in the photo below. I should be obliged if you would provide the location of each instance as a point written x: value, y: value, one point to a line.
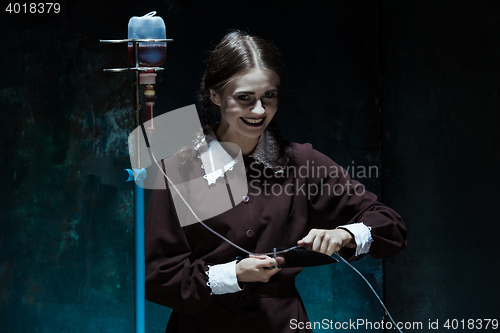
x: 441, y: 125
x: 409, y: 87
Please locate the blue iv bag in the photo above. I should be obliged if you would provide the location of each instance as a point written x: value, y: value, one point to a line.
x: 148, y: 26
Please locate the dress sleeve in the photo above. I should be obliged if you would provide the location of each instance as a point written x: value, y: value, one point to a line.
x: 337, y: 200
x: 362, y: 236
x: 172, y: 277
x: 222, y: 278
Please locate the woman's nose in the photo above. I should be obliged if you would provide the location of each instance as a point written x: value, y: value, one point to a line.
x: 258, y: 108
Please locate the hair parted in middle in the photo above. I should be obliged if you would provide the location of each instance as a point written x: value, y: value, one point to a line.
x: 238, y: 52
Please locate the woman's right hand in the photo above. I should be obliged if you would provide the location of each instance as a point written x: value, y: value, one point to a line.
x: 255, y: 269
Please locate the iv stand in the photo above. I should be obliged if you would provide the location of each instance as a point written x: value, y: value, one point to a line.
x: 138, y: 175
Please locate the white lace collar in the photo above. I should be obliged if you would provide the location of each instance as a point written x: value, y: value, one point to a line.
x: 216, y: 161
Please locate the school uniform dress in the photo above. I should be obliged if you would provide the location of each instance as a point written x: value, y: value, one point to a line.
x: 192, y: 271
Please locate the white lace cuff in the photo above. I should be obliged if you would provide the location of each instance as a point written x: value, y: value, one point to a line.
x: 362, y: 236
x: 222, y: 278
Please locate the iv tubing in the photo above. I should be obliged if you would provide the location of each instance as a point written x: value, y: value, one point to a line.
x: 191, y: 210
x: 268, y: 253
x: 373, y: 290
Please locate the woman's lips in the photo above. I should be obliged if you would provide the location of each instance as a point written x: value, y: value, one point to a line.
x: 253, y: 122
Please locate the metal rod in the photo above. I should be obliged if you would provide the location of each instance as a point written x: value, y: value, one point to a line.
x: 137, y: 103
x: 141, y: 69
x: 140, y: 322
x: 140, y: 317
x: 130, y: 40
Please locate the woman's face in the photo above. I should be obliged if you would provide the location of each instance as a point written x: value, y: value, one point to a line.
x: 248, y: 103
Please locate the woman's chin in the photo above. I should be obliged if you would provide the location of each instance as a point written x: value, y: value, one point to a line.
x: 253, y: 133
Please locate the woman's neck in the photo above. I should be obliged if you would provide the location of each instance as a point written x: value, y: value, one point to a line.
x: 227, y: 134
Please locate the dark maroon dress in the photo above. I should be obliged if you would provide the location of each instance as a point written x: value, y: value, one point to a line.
x: 177, y: 258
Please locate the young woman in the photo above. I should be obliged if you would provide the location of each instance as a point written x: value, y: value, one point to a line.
x: 297, y: 196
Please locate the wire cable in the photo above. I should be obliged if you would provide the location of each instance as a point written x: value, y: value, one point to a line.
x: 373, y: 290
x: 267, y: 253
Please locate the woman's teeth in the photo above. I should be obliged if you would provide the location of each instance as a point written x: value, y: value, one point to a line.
x: 253, y: 121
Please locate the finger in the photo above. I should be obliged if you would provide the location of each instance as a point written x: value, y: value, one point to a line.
x: 266, y: 263
x: 258, y: 256
x: 310, y: 237
x: 316, y: 245
x: 308, y: 241
x: 325, y: 244
x: 306, y: 246
x: 279, y: 261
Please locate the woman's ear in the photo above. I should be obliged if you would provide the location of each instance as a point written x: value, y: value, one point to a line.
x: 214, y: 97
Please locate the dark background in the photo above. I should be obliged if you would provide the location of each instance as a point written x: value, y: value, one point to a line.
x: 412, y: 87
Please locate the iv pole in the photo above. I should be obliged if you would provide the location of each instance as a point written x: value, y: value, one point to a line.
x: 138, y: 175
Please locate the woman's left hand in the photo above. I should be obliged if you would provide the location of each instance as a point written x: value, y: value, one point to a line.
x: 326, y: 241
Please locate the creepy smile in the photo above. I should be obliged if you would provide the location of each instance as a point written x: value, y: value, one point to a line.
x: 253, y: 122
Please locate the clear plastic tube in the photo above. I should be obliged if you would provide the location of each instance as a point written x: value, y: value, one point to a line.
x: 269, y: 253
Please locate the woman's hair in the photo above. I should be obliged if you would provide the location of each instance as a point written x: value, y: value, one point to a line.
x: 238, y: 52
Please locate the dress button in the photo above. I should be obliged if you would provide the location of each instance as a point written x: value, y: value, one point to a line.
x: 246, y: 199
x: 249, y: 233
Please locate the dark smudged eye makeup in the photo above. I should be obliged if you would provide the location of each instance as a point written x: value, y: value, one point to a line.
x: 248, y: 97
x: 271, y: 94
x: 244, y: 97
